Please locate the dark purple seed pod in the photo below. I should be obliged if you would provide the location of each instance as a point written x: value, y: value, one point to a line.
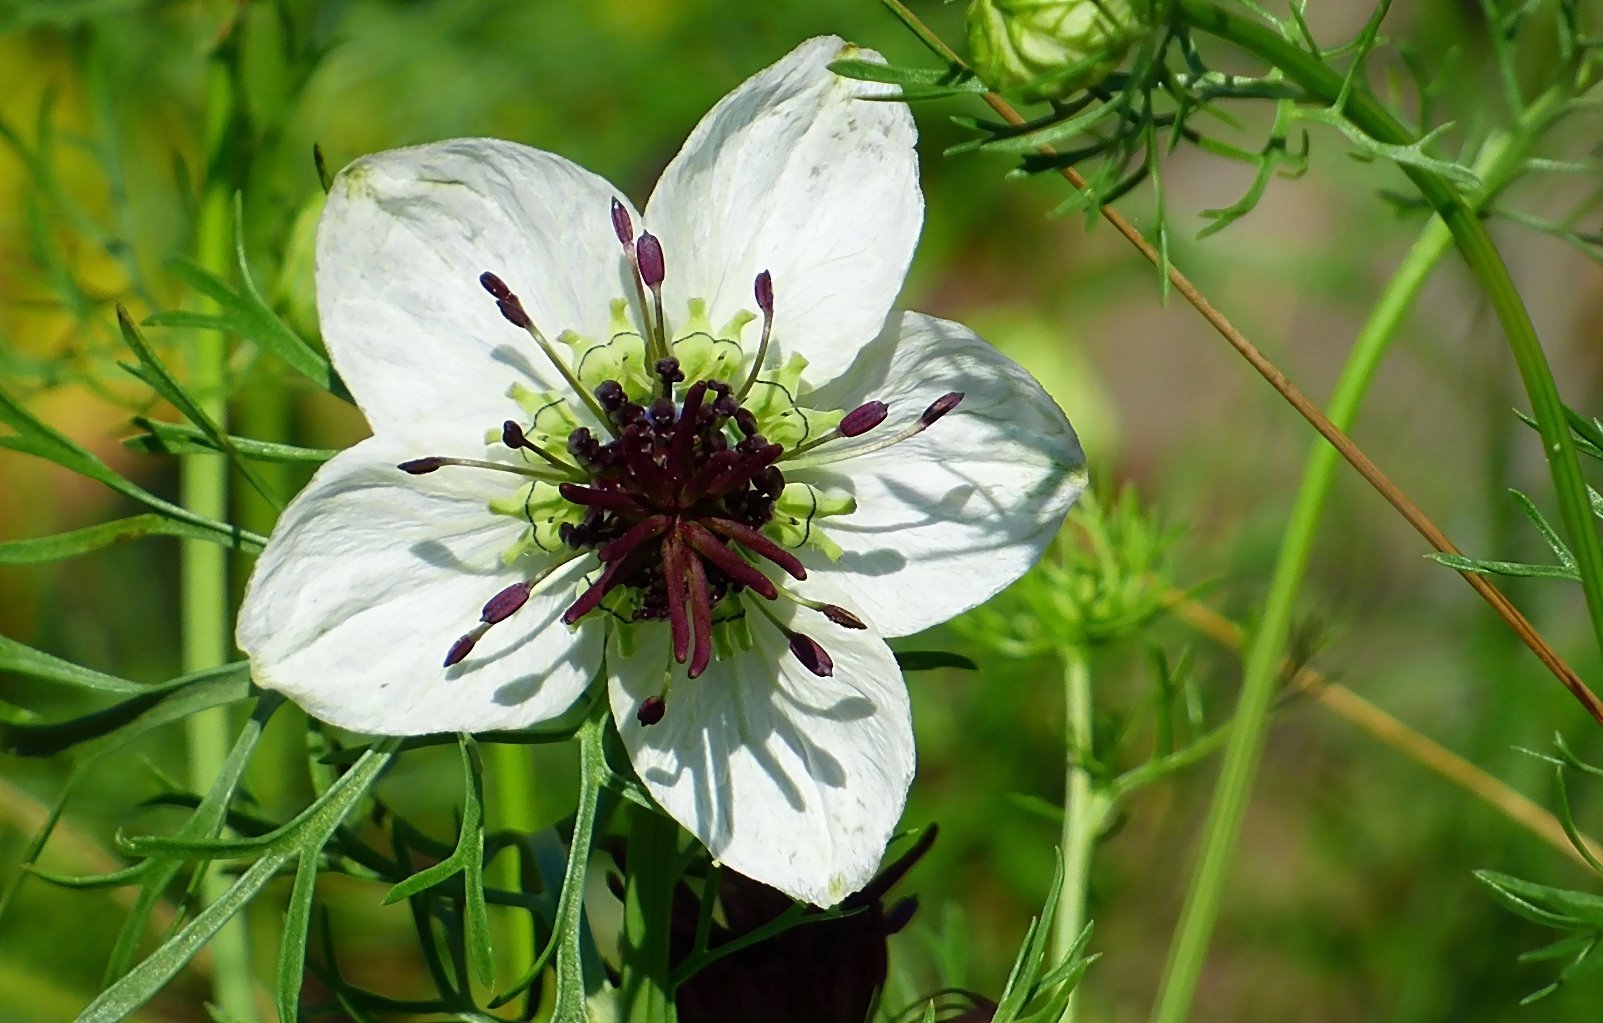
x: 900, y: 915
x: 813, y: 657
x: 764, y: 292
x: 652, y: 708
x: 940, y: 406
x: 420, y: 466
x: 842, y: 617
x: 461, y: 648
x: 505, y: 604
x: 648, y: 251
x: 863, y: 418
x: 622, y: 226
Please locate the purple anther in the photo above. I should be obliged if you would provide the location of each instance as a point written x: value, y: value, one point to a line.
x: 495, y: 286
x: 764, y: 290
x: 420, y: 466
x: 508, y: 303
x: 940, y: 406
x: 461, y: 648
x: 622, y: 226
x: 813, y: 657
x: 611, y: 395
x: 512, y: 435
x: 652, y: 708
x: 648, y: 250
x: 842, y: 617
x: 668, y: 370
x: 863, y: 418
x: 505, y: 604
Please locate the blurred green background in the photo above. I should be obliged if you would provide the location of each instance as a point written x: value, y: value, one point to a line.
x: 1352, y: 899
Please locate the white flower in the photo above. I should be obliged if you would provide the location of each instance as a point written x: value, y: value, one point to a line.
x: 900, y: 472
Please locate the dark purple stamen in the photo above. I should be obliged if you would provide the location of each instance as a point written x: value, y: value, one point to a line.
x: 764, y: 293
x: 420, y: 466
x: 622, y: 226
x: 509, y: 304
x: 505, y: 604
x: 862, y: 419
x: 652, y: 708
x: 512, y: 435
x: 940, y: 406
x: 461, y: 648
x: 668, y: 371
x: 842, y: 617
x: 649, y: 252
x: 813, y: 657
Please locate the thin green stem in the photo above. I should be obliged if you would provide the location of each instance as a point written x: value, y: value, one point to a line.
x: 1475, y: 244
x: 512, y: 787
x: 1084, y: 808
x: 1499, y: 159
x: 645, y: 993
x: 568, y: 941
x: 203, y: 489
x: 1260, y: 675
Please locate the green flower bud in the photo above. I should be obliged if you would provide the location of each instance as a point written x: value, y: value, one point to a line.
x: 1052, y: 48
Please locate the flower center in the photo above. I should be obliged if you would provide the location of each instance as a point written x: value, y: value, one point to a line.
x: 678, y: 491
x: 675, y: 508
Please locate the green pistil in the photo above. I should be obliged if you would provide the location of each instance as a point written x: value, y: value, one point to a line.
x: 621, y: 357
x: 544, y: 508
x: 550, y: 419
x: 796, y: 515
x: 706, y: 354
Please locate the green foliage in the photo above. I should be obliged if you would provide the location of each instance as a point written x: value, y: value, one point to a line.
x: 1588, y: 436
x: 1578, y: 915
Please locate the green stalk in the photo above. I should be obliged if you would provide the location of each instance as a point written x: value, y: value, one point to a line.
x: 1084, y: 808
x: 645, y: 995
x: 1498, y: 162
x: 515, y: 806
x: 203, y: 582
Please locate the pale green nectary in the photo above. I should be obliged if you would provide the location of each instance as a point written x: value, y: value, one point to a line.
x: 690, y: 455
x: 1052, y: 48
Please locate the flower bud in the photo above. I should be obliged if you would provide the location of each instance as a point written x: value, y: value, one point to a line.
x: 1052, y: 48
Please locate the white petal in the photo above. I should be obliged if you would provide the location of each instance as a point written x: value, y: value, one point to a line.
x: 794, y: 174
x: 948, y: 518
x: 403, y: 240
x: 369, y: 578
x: 791, y: 779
